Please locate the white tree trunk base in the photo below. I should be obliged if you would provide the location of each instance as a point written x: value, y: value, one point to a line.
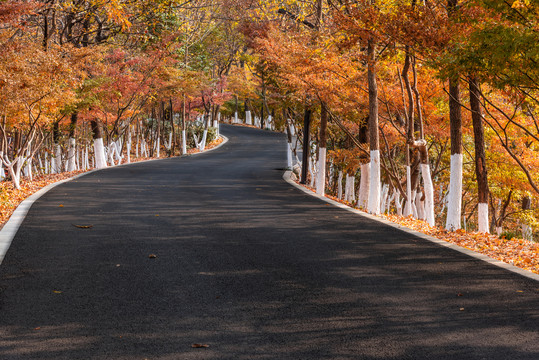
x: 339, y: 186
x: 184, y: 143
x: 454, y: 203
x: 374, y: 187
x: 429, y: 194
x: 321, y: 173
x: 482, y: 218
x: 99, y: 152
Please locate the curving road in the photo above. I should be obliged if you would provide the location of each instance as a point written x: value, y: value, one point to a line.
x: 246, y: 264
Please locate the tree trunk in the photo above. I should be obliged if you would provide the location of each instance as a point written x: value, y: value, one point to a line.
x: 172, y: 142
x: 248, y: 119
x: 99, y: 147
x: 321, y: 174
x: 306, y: 146
x: 374, y: 190
x: 453, y: 221
x: 339, y: 186
x: 71, y: 152
x: 480, y: 161
x: 184, y: 126
x: 527, y: 231
x: 289, y: 159
x: 57, y: 150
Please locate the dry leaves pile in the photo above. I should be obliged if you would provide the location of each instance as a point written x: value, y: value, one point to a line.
x: 518, y: 252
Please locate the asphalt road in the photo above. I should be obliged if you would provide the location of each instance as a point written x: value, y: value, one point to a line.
x: 246, y: 264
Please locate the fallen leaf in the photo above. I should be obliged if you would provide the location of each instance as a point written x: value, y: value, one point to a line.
x: 152, y: 256
x: 57, y: 291
x: 83, y: 226
x: 198, y: 346
x: 459, y: 294
x: 60, y: 205
x: 37, y: 328
x: 461, y: 309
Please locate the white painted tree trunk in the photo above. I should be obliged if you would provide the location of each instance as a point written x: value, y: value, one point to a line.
x: 128, y: 145
x: 414, y: 207
x: 349, y: 193
x: 364, y: 186
x: 408, y: 206
x: 347, y: 188
x: 14, y: 168
x: 99, y: 153
x: 46, y: 161
x: 28, y: 169
x: 352, y: 188
x: 202, y: 144
x: 384, y: 198
x: 78, y: 157
x: 236, y: 121
x: 248, y: 119
x: 168, y: 145
x: 397, y: 198
x: 118, y: 154
x: 110, y: 153
x: 15, y: 175
x: 499, y: 230
x: 158, y: 147
x: 374, y: 188
x: 429, y: 194
x: 321, y: 173
x: 269, y: 123
x: 312, y: 171
x: 184, y: 143
x: 331, y: 174
x: 57, y: 161
x: 289, y: 155
x: 482, y: 218
x: 71, y: 155
x: 339, y: 186
x: 87, y: 157
x: 454, y: 204
x: 420, y: 206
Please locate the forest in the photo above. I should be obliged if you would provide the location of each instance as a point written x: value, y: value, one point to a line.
x: 422, y: 109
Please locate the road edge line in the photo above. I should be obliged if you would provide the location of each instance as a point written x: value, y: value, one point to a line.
x: 8, y: 232
x: 287, y: 176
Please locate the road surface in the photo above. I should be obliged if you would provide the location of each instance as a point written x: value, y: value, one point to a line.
x: 218, y: 250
